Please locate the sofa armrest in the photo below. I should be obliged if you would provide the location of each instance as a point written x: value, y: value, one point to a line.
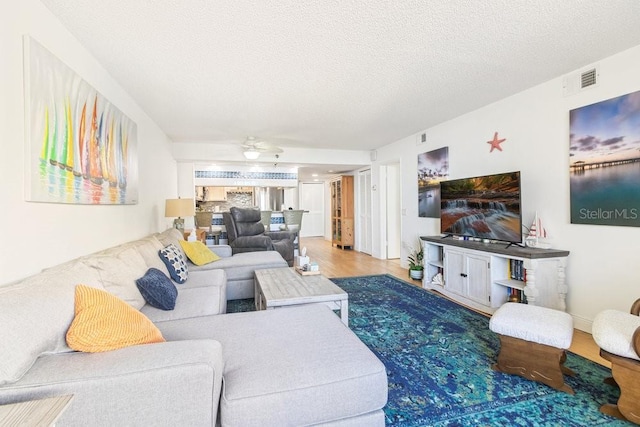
x: 258, y: 243
x: 223, y: 251
x: 171, y: 383
x: 282, y: 235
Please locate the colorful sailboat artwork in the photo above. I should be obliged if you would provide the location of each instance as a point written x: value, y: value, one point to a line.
x: 82, y: 147
x: 537, y: 236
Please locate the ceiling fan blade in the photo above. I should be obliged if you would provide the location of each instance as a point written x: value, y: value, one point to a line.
x: 269, y: 149
x: 253, y: 143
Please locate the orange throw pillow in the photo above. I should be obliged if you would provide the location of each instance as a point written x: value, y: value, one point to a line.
x: 103, y: 322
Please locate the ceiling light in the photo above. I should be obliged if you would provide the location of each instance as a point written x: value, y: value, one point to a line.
x: 251, y: 154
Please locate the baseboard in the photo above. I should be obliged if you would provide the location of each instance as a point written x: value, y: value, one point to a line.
x: 582, y: 324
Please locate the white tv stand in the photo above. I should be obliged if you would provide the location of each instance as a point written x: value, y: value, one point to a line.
x: 484, y: 275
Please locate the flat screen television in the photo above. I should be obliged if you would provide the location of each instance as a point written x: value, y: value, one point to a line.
x: 486, y: 207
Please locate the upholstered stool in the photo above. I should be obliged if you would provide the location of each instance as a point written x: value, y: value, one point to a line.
x: 618, y: 335
x: 533, y: 341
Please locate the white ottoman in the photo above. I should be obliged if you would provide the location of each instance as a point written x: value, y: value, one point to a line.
x: 618, y: 335
x: 533, y: 341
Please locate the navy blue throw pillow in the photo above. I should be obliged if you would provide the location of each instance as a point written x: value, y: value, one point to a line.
x: 157, y: 289
x: 175, y: 262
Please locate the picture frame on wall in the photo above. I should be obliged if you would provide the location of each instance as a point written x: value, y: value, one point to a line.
x: 80, y: 148
x: 433, y: 167
x: 604, y: 162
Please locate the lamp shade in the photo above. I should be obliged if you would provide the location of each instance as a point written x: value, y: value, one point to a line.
x: 179, y: 208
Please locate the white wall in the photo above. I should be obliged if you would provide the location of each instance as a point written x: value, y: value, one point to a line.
x: 602, y: 268
x: 38, y: 235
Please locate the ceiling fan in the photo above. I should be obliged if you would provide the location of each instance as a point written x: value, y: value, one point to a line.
x: 252, y: 147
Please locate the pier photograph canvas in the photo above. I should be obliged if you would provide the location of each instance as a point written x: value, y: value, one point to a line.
x: 433, y: 167
x: 81, y: 149
x: 604, y: 161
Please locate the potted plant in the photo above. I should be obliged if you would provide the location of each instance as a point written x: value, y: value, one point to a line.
x: 416, y: 269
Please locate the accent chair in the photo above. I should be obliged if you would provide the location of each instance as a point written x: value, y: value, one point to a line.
x: 246, y: 233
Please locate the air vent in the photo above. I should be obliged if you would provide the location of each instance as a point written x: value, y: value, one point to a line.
x: 588, y: 78
x: 577, y: 82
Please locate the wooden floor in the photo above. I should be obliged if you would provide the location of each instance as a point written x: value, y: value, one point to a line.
x: 336, y: 262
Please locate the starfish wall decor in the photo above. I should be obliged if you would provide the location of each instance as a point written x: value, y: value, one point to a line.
x: 495, y: 142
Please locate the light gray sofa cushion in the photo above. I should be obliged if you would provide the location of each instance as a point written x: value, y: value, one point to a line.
x: 148, y: 248
x: 240, y: 270
x: 163, y: 384
x: 118, y: 273
x: 221, y: 250
x: 242, y: 266
x: 35, y: 314
x: 277, y: 375
x: 370, y: 419
x: 171, y: 235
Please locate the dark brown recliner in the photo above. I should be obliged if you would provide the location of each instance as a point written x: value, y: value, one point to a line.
x: 247, y: 234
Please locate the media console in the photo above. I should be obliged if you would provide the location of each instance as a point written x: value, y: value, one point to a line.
x: 486, y: 275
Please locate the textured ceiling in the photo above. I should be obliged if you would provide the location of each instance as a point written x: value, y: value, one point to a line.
x: 336, y: 73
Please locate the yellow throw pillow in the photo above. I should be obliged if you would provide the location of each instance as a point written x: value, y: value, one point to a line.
x: 198, y: 253
x: 103, y: 322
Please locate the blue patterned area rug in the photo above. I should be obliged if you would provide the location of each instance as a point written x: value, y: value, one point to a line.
x: 438, y: 356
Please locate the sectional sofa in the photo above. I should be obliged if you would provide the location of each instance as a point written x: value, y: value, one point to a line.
x: 294, y: 366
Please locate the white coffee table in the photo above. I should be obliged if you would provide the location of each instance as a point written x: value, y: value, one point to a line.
x: 284, y: 287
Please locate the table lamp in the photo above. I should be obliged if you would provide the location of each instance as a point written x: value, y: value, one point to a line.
x: 179, y: 208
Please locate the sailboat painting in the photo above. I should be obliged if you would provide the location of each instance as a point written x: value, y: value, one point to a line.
x: 80, y: 148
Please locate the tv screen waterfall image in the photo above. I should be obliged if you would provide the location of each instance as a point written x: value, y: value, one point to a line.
x: 486, y: 207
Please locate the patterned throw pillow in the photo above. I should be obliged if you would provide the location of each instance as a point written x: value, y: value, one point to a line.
x: 198, y: 253
x: 103, y: 322
x: 175, y: 263
x: 157, y: 289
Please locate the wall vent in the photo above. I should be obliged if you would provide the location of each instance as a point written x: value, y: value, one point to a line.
x: 588, y: 78
x: 421, y: 138
x: 579, y: 81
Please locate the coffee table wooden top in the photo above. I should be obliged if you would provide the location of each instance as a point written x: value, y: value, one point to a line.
x: 283, y: 286
x: 37, y: 413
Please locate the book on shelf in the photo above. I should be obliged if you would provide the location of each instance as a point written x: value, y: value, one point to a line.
x: 516, y: 269
x: 516, y: 295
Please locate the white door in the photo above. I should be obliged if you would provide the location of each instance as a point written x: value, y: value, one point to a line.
x: 393, y: 211
x: 478, y: 286
x: 455, y: 272
x: 364, y: 215
x: 312, y: 200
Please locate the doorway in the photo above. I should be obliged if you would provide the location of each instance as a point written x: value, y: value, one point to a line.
x: 364, y: 233
x: 390, y: 181
x: 312, y: 202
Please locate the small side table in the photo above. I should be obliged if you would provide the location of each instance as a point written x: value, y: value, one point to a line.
x: 34, y: 413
